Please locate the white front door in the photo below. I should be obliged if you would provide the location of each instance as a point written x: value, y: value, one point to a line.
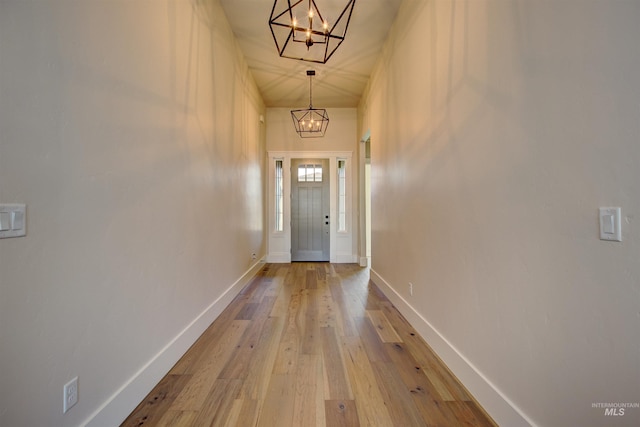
x: 309, y: 210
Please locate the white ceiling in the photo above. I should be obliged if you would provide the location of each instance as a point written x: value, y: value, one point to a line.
x: 338, y: 83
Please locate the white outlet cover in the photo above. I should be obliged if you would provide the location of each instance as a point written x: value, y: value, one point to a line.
x: 70, y: 394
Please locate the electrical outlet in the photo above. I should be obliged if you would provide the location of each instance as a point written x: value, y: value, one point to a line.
x: 410, y: 288
x: 70, y: 394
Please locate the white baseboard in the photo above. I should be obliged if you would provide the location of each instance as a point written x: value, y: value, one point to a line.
x: 501, y: 409
x: 279, y: 257
x: 285, y: 258
x: 118, y: 407
x: 344, y: 258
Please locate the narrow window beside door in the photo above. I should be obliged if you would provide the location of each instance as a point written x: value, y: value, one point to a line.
x: 342, y: 195
x: 279, y: 191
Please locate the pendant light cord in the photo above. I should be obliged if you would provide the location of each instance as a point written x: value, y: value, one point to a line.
x: 310, y: 99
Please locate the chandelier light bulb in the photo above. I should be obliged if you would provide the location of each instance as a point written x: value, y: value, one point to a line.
x: 309, y: 40
x: 310, y: 13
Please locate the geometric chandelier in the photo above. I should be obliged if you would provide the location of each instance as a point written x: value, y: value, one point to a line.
x: 310, y: 122
x: 301, y: 32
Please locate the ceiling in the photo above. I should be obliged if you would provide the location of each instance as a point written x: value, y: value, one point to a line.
x: 338, y: 83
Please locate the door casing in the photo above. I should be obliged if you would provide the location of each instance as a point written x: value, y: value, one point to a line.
x: 343, y: 245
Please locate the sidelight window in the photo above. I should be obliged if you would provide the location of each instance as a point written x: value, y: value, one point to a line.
x: 279, y: 192
x: 342, y: 195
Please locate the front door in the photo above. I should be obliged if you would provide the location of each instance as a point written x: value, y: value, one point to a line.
x: 309, y: 210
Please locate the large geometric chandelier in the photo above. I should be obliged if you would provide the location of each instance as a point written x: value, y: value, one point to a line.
x: 310, y: 122
x: 301, y: 32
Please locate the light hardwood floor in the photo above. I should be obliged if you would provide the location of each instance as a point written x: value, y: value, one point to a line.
x: 309, y: 344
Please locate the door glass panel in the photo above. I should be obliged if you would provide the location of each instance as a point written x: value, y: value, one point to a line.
x: 310, y: 173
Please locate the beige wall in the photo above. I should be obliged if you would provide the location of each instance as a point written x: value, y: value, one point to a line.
x: 497, y: 130
x: 340, y: 135
x: 131, y: 131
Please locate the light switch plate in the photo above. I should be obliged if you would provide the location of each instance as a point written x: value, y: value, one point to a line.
x: 5, y: 221
x: 610, y: 224
x: 13, y: 219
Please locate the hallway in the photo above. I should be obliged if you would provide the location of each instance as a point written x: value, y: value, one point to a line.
x: 309, y: 344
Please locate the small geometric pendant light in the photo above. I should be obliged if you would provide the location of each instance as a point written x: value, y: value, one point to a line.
x: 310, y: 122
x: 300, y: 31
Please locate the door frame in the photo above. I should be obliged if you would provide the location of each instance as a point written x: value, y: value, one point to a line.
x: 279, y: 242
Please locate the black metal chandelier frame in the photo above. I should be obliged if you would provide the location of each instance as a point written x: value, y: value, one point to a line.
x: 314, y: 35
x: 310, y: 122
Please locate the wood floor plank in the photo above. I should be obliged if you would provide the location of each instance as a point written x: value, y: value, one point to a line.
x: 369, y: 402
x: 219, y: 403
x: 281, y: 304
x: 311, y: 335
x: 326, y: 309
x: 311, y: 280
x: 274, y: 283
x: 234, y: 412
x: 465, y: 415
x: 341, y: 413
x: 313, y: 345
x: 249, y: 412
x: 173, y: 418
x: 382, y: 326
x: 260, y: 367
x: 428, y: 402
x: 278, y: 402
x: 247, y: 311
x: 336, y: 378
x: 236, y: 367
x: 374, y: 346
x: 344, y: 319
x: 396, y: 395
x: 150, y: 411
x: 321, y: 271
x: 481, y: 416
x: 307, y: 392
x: 257, y: 288
x: 289, y: 347
x: 209, y: 340
x: 447, y: 384
x: 194, y: 394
